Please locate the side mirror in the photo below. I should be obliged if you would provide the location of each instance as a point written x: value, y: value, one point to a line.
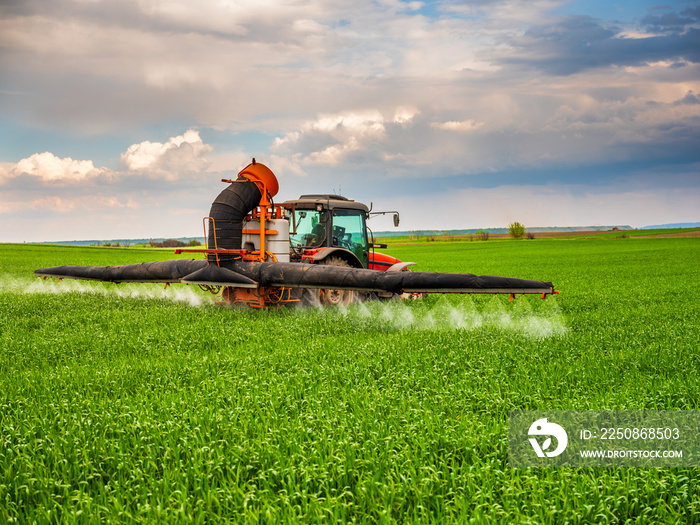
x: 396, y: 220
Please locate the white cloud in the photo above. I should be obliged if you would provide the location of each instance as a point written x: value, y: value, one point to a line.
x: 180, y: 155
x: 404, y: 115
x: 635, y: 35
x: 462, y: 126
x: 333, y: 136
x: 49, y: 167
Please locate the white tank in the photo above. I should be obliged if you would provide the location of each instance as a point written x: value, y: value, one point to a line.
x: 277, y: 244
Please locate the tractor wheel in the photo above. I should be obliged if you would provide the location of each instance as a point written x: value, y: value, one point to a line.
x: 336, y: 297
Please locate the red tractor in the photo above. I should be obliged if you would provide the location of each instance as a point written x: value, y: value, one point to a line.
x: 332, y: 230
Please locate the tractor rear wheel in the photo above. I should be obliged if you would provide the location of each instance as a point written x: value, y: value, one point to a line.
x: 336, y: 297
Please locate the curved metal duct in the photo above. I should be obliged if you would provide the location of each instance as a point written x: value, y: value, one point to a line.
x: 232, y: 205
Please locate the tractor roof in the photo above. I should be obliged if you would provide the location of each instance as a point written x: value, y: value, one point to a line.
x: 309, y: 202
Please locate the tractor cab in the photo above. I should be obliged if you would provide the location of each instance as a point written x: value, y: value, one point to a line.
x: 319, y: 222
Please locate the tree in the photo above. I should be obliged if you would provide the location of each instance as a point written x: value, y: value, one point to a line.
x: 516, y: 230
x: 173, y: 243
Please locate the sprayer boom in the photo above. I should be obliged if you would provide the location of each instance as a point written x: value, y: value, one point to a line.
x: 292, y: 275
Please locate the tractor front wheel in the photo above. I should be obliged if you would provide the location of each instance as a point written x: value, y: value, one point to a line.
x: 329, y: 297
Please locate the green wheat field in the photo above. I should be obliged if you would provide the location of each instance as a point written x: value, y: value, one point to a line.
x: 135, y: 403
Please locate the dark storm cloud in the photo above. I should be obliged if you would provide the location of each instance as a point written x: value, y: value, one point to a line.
x: 689, y: 98
x: 672, y: 20
x: 577, y: 43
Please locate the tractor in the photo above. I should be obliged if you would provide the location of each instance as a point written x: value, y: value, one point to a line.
x: 315, y: 249
x: 332, y: 230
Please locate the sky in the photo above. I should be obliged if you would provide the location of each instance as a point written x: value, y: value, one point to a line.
x: 119, y: 118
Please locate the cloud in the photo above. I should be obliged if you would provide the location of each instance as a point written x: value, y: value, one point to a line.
x: 178, y: 158
x: 463, y: 126
x: 242, y: 65
x: 48, y: 167
x: 672, y: 20
x: 232, y: 65
x: 572, y: 44
x: 359, y: 93
x: 332, y: 139
x: 181, y: 155
x: 539, y: 128
x: 689, y: 98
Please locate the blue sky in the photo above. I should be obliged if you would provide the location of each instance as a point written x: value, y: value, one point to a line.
x: 118, y: 119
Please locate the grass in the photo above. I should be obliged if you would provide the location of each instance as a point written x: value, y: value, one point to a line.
x: 122, y: 403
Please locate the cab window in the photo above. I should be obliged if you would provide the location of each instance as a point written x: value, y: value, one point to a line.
x: 310, y: 230
x: 349, y: 232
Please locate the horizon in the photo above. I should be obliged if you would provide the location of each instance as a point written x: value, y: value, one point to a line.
x: 400, y: 233
x: 118, y: 120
